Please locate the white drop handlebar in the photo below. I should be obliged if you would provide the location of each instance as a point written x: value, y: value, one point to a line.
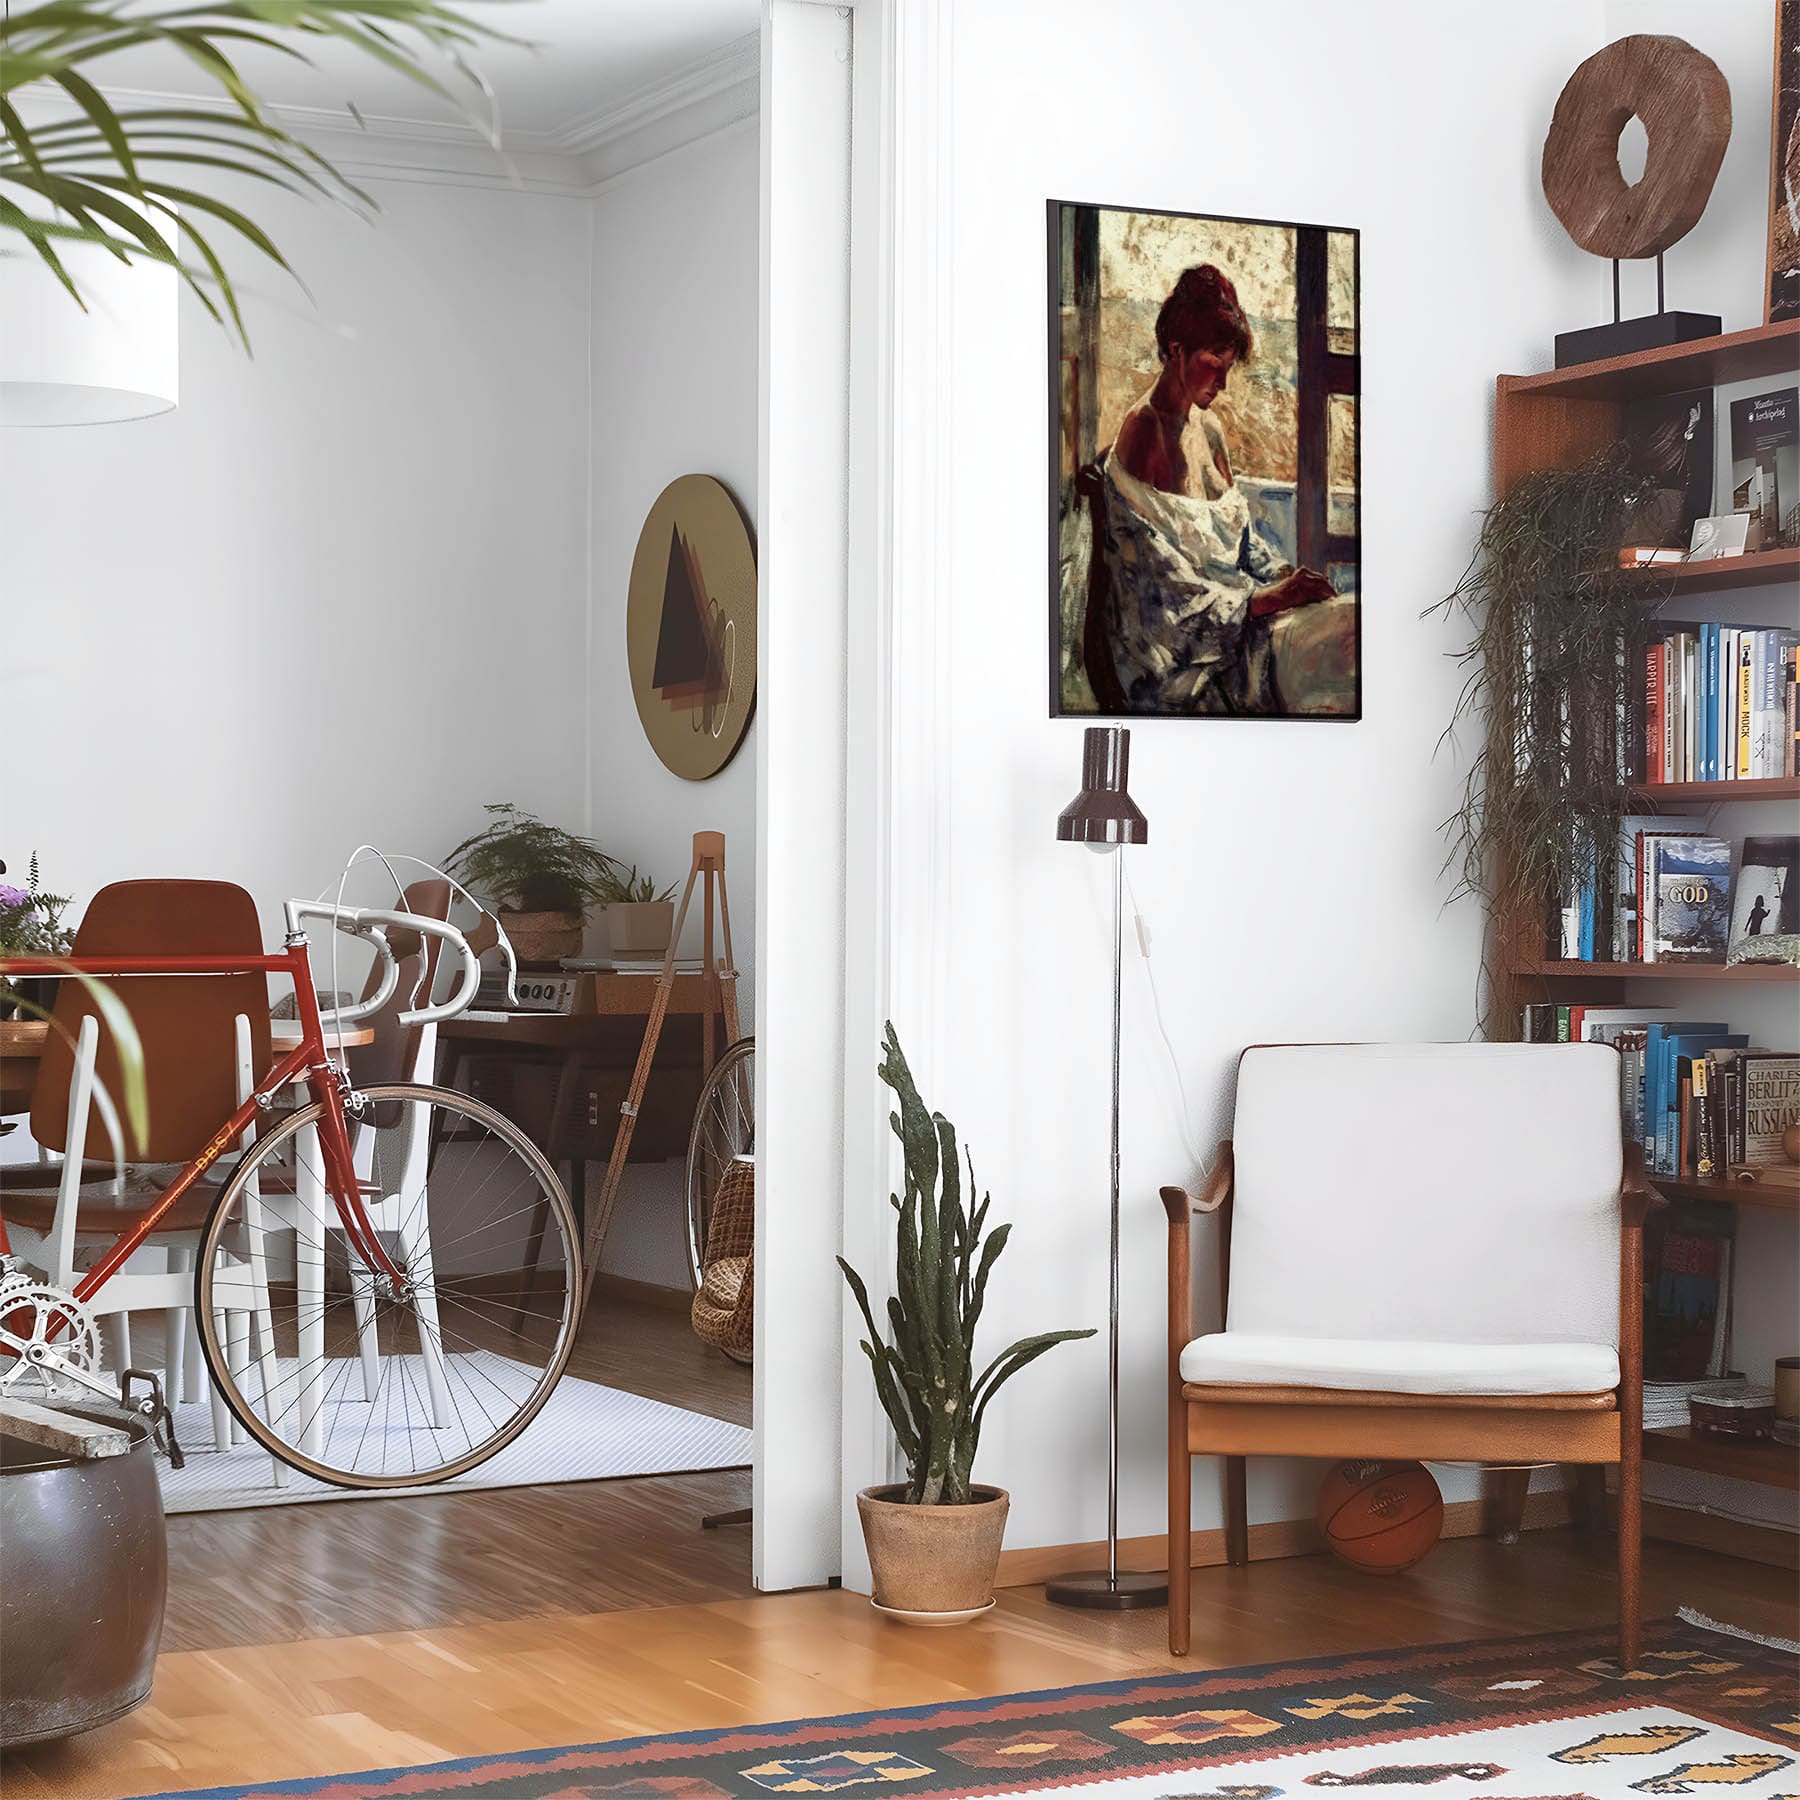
x: 373, y: 924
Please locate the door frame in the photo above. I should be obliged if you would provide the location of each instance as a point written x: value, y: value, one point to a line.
x: 853, y: 845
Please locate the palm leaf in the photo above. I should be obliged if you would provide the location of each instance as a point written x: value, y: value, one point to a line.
x: 81, y: 167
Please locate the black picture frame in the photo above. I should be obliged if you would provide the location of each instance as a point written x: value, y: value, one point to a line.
x: 1317, y: 401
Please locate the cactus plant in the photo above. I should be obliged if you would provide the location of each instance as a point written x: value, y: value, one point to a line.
x: 925, y: 1376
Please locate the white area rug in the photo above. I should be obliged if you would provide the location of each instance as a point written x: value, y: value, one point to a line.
x: 586, y: 1432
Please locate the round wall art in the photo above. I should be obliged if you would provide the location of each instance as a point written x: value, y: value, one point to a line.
x: 690, y: 626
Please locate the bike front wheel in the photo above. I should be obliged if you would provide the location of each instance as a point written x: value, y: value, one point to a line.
x: 344, y: 1373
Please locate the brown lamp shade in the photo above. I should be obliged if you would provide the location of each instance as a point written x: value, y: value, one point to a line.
x: 1103, y: 812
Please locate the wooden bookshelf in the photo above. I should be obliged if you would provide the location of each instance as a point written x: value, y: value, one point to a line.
x: 1715, y: 793
x: 1765, y: 1197
x: 1762, y: 351
x: 1558, y: 420
x: 1759, y: 568
x: 1743, y: 1459
x: 1551, y: 970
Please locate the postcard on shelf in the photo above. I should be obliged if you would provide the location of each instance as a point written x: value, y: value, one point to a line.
x: 1771, y: 1103
x: 1722, y: 535
x: 1767, y: 897
x: 1765, y: 462
x: 1670, y: 441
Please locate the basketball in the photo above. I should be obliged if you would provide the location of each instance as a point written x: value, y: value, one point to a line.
x: 1380, y: 1517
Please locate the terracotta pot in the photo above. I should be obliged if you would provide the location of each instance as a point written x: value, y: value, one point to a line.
x: 541, y: 940
x: 640, y: 928
x: 933, y: 1559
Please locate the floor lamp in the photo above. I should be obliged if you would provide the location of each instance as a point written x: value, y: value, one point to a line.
x: 1104, y: 817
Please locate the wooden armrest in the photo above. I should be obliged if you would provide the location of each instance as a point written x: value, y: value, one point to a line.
x: 1179, y: 1204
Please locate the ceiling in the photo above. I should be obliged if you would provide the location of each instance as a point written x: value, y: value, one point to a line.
x: 583, y: 61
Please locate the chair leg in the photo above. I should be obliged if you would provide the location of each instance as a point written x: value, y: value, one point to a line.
x: 1630, y: 1554
x: 1181, y: 1536
x: 1506, y: 1502
x: 1237, y: 1512
x: 175, y: 1329
x: 1590, y: 1499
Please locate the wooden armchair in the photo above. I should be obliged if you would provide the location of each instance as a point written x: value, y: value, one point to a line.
x: 1429, y: 1251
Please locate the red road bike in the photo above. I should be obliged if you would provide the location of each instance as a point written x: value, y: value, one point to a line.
x: 387, y: 1280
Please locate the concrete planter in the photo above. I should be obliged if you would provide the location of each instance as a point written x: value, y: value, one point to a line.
x: 540, y: 940
x: 933, y: 1565
x: 81, y: 1607
x: 640, y: 928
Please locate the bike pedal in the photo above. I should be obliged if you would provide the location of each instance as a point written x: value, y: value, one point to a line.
x: 156, y: 1410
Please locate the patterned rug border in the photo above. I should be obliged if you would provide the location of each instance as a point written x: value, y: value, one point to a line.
x: 1036, y: 1702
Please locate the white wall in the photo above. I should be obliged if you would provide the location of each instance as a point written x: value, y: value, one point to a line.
x: 1292, y: 879
x: 674, y: 348
x: 376, y: 527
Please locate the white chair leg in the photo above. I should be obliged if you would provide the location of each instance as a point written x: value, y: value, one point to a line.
x: 237, y: 1359
x: 222, y: 1421
x: 368, y: 1343
x: 309, y: 1269
x: 115, y: 1333
x: 175, y: 1329
x: 415, y: 1255
x: 193, y: 1361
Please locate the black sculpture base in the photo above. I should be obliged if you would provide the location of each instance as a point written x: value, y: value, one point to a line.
x: 1094, y: 1590
x: 1625, y: 337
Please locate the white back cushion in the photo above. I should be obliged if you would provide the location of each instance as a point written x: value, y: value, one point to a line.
x: 1456, y: 1192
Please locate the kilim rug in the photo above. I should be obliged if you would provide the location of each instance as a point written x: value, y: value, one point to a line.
x: 1542, y: 1718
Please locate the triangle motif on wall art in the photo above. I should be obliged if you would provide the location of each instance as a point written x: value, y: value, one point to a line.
x: 689, y: 671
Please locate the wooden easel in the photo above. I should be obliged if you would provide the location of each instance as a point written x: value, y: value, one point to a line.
x: 721, y: 995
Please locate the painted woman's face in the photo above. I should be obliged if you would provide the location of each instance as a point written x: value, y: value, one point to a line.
x: 1203, y: 374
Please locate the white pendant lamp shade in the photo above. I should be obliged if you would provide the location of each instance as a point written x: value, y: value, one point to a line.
x: 61, y: 366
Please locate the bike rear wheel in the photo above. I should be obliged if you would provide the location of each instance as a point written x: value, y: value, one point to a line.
x: 724, y: 1127
x: 334, y: 1368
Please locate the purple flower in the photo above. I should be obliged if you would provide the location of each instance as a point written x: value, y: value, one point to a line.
x: 13, y: 897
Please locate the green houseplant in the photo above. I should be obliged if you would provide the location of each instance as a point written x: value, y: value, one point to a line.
x: 639, y: 918
x: 542, y: 878
x: 1549, y: 677
x: 934, y: 1540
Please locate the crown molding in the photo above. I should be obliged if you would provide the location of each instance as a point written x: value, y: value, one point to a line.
x: 706, y: 96
x: 724, y: 73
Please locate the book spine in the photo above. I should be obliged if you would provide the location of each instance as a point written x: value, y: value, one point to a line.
x: 1742, y: 753
x: 1790, y: 765
x: 1727, y: 744
x: 1705, y: 1163
x: 1653, y: 717
x: 1562, y: 1024
x: 1709, y: 720
x: 1669, y: 706
x: 1684, y: 1124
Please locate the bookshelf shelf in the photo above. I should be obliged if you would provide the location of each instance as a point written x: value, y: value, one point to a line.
x: 1764, y: 350
x: 1758, y: 1460
x: 1759, y: 568
x: 1777, y: 787
x: 1771, y: 1197
x: 1656, y: 971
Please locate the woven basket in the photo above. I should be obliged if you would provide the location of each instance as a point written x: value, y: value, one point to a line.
x: 723, y: 1308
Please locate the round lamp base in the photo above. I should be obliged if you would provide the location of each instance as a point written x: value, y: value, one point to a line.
x: 1099, y: 1592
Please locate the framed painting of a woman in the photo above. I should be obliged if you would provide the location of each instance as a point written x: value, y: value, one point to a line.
x: 1205, y: 476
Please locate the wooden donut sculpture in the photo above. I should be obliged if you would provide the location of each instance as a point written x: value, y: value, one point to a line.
x: 1684, y: 102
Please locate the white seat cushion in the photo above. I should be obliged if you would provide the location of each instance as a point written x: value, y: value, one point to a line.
x: 1397, y: 1366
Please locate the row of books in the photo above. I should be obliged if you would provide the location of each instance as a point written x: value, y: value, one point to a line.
x: 1678, y: 894
x: 1699, y: 1097
x: 1719, y: 704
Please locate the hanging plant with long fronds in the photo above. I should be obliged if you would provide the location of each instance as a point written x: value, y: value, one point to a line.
x: 1550, y: 680
x: 140, y: 182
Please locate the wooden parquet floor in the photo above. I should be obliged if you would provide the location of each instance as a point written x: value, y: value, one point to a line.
x: 330, y: 1705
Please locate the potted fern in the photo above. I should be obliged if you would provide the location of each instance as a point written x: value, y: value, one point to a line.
x: 542, y: 878
x: 934, y: 1539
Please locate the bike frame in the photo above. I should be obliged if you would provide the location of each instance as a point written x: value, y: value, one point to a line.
x: 308, y: 1061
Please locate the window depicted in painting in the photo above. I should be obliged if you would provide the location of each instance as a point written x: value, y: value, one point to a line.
x: 1204, y: 388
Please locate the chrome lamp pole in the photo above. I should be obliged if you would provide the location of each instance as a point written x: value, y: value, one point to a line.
x: 1104, y: 817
